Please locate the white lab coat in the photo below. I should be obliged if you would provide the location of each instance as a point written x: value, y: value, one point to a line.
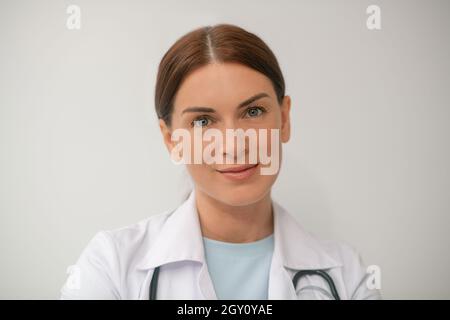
x: 119, y: 264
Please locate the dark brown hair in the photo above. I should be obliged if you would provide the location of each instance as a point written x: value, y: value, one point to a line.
x: 220, y: 43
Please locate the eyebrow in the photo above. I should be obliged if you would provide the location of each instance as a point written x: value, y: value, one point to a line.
x: 240, y: 105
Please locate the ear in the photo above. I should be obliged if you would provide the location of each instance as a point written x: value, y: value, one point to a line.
x: 167, y: 134
x: 285, y: 119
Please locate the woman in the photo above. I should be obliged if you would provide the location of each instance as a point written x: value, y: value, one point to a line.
x: 229, y: 239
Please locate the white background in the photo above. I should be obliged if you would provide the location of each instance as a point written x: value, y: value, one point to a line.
x: 368, y: 162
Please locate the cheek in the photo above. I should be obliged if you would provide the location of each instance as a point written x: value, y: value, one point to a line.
x: 199, y: 172
x: 268, y: 140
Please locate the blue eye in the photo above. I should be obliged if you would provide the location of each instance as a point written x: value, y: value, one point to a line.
x: 200, y: 122
x: 254, y: 112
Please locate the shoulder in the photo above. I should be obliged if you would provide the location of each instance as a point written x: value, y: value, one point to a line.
x: 128, y: 245
x: 355, y: 273
x: 137, y: 233
x: 341, y: 259
x: 343, y: 252
x: 100, y: 270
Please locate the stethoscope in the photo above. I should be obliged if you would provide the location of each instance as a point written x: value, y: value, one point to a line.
x: 297, y: 276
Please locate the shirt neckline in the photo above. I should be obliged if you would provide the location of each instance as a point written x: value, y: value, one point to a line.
x: 254, y: 248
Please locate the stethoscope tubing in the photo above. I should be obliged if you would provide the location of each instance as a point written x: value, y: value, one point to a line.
x: 154, y: 282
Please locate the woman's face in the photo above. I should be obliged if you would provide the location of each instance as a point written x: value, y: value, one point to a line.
x: 216, y: 96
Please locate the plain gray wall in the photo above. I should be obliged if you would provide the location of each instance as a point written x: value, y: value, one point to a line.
x: 368, y: 162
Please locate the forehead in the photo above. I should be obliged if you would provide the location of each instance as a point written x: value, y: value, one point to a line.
x: 219, y: 85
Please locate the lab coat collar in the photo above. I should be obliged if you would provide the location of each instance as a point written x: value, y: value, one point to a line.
x: 180, y: 239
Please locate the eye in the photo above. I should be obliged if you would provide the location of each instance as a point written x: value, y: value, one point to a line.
x: 200, y: 122
x: 253, y: 112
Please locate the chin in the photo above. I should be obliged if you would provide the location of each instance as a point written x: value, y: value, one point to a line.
x: 241, y: 195
x: 235, y: 193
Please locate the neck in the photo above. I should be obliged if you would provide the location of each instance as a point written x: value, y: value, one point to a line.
x: 223, y: 222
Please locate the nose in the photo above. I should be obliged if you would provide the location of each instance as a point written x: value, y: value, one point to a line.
x: 234, y: 146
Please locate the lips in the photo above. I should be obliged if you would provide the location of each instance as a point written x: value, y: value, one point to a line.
x: 239, y: 172
x: 237, y: 168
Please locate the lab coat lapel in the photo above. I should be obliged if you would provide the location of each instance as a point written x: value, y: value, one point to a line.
x: 294, y: 249
x: 180, y: 239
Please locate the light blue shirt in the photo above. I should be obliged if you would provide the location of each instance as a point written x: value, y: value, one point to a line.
x: 239, y: 270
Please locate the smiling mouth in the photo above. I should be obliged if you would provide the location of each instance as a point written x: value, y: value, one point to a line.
x: 239, y: 172
x: 237, y: 168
